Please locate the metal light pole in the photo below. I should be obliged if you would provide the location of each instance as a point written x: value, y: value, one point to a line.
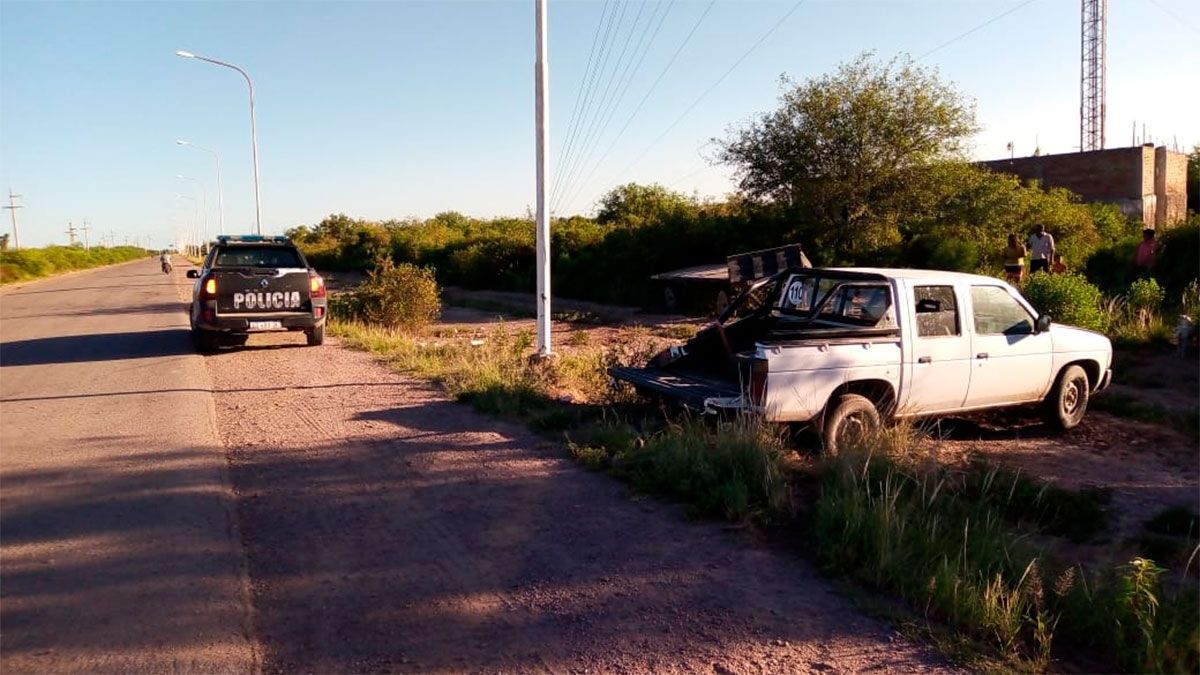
x: 192, y: 237
x: 220, y: 194
x: 204, y: 204
x: 542, y: 104
x: 253, y: 131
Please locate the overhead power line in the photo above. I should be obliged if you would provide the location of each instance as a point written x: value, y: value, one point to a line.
x: 1173, y: 15
x: 600, y: 64
x: 649, y: 92
x: 587, y: 69
x: 771, y: 31
x: 981, y: 26
x: 610, y: 104
x: 592, y: 120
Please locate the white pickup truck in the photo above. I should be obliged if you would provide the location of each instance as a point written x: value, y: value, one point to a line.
x: 848, y: 349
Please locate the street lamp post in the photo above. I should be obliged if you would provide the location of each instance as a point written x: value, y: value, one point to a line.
x: 203, y: 204
x: 192, y: 236
x: 220, y: 193
x: 253, y: 131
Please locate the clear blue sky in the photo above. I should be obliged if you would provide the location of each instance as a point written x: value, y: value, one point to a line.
x: 393, y: 109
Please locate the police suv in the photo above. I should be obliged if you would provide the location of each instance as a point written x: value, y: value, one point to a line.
x: 253, y: 284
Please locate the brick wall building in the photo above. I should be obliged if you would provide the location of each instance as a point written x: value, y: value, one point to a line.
x: 1143, y: 181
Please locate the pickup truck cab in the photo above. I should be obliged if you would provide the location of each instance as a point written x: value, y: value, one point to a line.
x: 847, y: 349
x: 253, y: 284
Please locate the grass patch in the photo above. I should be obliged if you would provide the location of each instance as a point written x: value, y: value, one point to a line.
x: 959, y: 546
x: 1178, y: 521
x: 1024, y: 501
x: 732, y: 469
x: 1121, y: 405
x: 495, y: 374
x: 676, y: 331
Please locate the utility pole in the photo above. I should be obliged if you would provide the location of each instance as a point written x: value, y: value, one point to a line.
x: 12, y: 208
x: 86, y: 244
x: 542, y: 103
x: 71, y: 233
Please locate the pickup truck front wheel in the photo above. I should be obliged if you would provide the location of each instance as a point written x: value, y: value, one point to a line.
x: 1068, y: 400
x: 850, y: 421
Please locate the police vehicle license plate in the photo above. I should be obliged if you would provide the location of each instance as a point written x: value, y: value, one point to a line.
x: 265, y: 325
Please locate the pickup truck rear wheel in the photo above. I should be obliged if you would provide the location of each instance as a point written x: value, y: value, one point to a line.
x: 850, y: 421
x: 1068, y: 401
x: 315, y: 336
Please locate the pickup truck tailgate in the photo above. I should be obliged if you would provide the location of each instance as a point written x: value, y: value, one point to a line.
x: 690, y: 389
x: 261, y: 290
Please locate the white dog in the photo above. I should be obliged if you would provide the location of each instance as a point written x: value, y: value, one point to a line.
x: 1185, y: 333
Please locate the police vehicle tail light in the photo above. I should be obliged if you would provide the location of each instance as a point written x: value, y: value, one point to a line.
x: 210, y: 287
x: 316, y: 285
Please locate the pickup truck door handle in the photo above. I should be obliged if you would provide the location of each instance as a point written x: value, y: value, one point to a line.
x: 981, y: 355
x: 924, y: 359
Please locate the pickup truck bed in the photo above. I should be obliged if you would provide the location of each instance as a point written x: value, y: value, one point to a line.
x: 689, y: 389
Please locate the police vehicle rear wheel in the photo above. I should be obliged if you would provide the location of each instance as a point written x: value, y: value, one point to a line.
x: 316, y: 336
x: 205, y: 341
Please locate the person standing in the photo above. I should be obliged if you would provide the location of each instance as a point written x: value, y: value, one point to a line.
x: 1041, y: 249
x: 1059, y: 266
x: 1014, y: 260
x: 1147, y: 253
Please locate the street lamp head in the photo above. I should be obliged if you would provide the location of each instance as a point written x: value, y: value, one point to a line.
x: 186, y: 55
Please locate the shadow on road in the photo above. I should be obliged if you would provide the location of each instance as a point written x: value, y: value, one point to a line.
x: 153, y: 308
x: 165, y: 282
x: 96, y: 347
x: 195, y: 390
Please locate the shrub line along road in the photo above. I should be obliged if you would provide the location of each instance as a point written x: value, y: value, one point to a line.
x: 383, y: 526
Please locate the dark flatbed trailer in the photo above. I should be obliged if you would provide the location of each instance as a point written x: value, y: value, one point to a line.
x: 709, y: 288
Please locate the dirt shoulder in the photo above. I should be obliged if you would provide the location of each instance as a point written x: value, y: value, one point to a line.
x: 391, y: 529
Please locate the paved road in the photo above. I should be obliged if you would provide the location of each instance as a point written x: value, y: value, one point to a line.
x: 120, y: 551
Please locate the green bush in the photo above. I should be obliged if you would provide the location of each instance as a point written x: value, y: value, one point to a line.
x: 1111, y: 267
x: 942, y: 253
x: 1179, y: 257
x: 1189, y: 299
x: 29, y: 263
x: 402, y: 297
x: 1145, y: 295
x: 1068, y: 298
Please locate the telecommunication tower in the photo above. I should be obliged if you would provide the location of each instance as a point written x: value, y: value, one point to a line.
x: 1093, y: 73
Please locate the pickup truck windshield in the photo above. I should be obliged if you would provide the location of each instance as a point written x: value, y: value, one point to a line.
x: 257, y: 256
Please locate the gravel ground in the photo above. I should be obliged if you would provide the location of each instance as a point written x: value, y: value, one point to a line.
x: 390, y: 529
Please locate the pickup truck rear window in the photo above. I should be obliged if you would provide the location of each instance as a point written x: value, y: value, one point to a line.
x: 859, y: 305
x: 257, y: 256
x: 937, y: 313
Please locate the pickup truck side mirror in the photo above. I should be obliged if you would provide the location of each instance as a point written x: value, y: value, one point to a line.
x: 193, y: 274
x: 1043, y: 324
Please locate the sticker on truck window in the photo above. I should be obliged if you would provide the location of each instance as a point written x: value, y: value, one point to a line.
x: 267, y: 300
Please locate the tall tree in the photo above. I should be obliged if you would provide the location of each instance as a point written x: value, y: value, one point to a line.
x: 849, y: 151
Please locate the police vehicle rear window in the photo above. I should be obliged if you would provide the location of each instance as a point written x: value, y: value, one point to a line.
x: 257, y: 256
